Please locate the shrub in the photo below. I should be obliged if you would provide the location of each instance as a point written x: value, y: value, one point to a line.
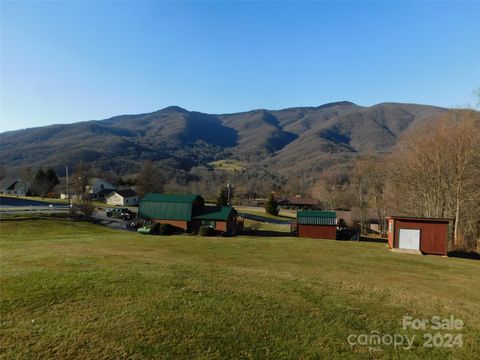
x: 165, y: 229
x: 206, y: 231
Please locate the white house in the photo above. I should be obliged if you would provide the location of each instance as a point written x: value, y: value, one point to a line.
x: 99, y: 188
x: 126, y: 197
x: 15, y: 187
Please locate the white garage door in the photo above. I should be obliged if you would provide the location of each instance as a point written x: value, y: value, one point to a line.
x: 409, y: 239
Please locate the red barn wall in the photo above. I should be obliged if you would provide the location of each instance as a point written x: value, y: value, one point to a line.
x: 433, y: 235
x: 177, y: 223
x: 317, y: 231
x: 220, y: 225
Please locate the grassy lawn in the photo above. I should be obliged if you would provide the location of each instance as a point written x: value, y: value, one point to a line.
x: 283, y: 214
x: 262, y: 226
x: 79, y: 290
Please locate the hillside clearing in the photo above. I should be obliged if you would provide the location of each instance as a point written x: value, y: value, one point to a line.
x: 78, y: 290
x: 229, y: 165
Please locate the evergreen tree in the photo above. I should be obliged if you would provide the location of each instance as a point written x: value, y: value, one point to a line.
x: 44, y: 182
x: 222, y: 199
x: 52, y: 178
x: 225, y: 196
x: 39, y: 183
x: 271, y: 207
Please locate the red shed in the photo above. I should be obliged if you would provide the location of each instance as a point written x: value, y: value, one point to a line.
x: 429, y: 236
x: 317, y: 224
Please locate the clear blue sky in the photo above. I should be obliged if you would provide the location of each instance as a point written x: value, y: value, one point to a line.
x: 65, y: 62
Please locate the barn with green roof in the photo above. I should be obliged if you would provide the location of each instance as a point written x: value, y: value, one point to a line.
x: 187, y: 212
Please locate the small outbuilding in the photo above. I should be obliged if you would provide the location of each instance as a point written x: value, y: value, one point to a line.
x: 317, y: 224
x: 416, y: 234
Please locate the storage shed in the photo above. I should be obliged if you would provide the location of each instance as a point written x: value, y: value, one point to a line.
x: 317, y: 224
x: 187, y: 212
x: 425, y: 235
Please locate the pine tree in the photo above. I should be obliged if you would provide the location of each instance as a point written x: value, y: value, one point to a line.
x: 271, y: 207
x: 222, y: 199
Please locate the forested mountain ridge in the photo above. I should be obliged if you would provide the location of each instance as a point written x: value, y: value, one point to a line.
x: 300, y: 139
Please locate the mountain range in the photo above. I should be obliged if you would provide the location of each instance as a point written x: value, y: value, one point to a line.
x: 289, y: 141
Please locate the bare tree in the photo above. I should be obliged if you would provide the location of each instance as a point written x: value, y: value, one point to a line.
x: 333, y: 189
x: 361, y: 185
x: 85, y: 206
x: 149, y: 178
x: 435, y: 172
x: 81, y: 177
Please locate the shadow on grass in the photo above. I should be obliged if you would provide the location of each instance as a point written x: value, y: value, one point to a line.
x: 373, y: 239
x: 269, y: 233
x: 464, y: 255
x: 24, y: 217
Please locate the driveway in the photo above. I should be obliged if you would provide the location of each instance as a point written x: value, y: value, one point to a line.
x: 114, y: 223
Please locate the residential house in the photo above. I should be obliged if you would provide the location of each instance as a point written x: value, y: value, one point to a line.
x: 99, y: 188
x: 126, y: 197
x: 299, y: 203
x: 15, y: 187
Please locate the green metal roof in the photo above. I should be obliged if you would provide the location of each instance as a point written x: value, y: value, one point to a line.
x: 317, y: 217
x: 168, y: 206
x: 188, y: 198
x: 214, y: 213
x: 317, y: 214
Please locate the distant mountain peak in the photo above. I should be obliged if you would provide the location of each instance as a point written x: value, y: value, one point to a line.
x: 174, y: 108
x: 337, y: 103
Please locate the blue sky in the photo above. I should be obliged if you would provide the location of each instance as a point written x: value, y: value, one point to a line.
x: 65, y: 62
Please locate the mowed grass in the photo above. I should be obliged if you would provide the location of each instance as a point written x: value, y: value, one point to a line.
x: 259, y: 211
x: 79, y: 290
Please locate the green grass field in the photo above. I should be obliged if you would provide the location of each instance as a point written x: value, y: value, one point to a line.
x: 282, y: 215
x: 78, y: 290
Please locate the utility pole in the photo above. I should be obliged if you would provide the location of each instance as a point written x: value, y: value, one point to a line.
x: 229, y: 192
x: 68, y: 193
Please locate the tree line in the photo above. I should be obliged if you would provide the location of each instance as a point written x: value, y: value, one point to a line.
x: 433, y: 171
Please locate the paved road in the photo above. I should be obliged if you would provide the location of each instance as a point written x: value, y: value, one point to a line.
x: 264, y: 219
x: 14, y: 202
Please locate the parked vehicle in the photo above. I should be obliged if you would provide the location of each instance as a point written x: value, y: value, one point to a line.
x: 149, y: 228
x: 122, y: 213
x: 134, y: 225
